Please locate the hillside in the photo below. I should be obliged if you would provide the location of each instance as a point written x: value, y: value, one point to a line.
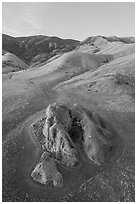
x: 11, y: 63
x: 106, y: 45
x: 36, y: 48
x: 98, y: 76
x: 111, y: 86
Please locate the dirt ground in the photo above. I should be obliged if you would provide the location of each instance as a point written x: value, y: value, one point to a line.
x: 25, y: 98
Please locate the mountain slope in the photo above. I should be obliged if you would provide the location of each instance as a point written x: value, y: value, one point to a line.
x: 102, y: 40
x: 118, y: 49
x: 111, y: 86
x: 75, y: 63
x: 115, y: 46
x: 36, y: 48
x: 11, y: 63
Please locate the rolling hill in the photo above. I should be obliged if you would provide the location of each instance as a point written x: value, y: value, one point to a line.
x: 98, y: 74
x: 36, y: 48
x: 11, y: 63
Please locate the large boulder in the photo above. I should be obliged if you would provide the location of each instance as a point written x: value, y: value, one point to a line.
x: 57, y: 139
x: 46, y: 171
x: 57, y: 113
x: 97, y: 140
x: 69, y: 134
x: 97, y: 136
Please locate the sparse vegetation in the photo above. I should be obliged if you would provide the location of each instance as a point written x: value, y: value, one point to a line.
x: 121, y: 79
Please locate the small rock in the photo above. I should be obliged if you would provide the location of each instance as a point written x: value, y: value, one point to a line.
x: 46, y: 170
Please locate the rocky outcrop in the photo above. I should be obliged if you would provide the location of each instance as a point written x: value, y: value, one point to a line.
x: 97, y: 140
x: 46, y: 171
x: 67, y: 134
x: 57, y: 139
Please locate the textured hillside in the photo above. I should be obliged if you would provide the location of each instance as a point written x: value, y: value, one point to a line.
x: 107, y: 45
x: 77, y: 62
x: 111, y: 86
x: 36, y: 48
x: 102, y: 39
x: 11, y: 63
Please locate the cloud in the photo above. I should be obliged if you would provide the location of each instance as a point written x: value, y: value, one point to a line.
x: 21, y: 18
x: 30, y: 17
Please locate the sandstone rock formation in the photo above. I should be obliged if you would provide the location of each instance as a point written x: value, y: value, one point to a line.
x: 46, y: 171
x: 64, y: 131
x: 57, y: 139
x: 96, y: 140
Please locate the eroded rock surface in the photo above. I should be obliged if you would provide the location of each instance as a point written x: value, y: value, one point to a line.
x: 97, y: 140
x: 46, y: 171
x: 57, y: 139
x: 66, y: 133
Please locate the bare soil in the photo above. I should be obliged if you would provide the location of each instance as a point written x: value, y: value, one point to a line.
x: 25, y: 98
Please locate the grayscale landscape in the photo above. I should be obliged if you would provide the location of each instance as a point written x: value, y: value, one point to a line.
x: 68, y: 118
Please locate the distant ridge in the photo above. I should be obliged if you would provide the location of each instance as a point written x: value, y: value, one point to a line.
x: 27, y: 48
x: 34, y: 50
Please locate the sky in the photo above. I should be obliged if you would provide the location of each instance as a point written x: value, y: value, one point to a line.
x: 76, y: 20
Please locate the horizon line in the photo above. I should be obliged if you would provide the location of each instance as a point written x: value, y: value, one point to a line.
x: 67, y: 38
